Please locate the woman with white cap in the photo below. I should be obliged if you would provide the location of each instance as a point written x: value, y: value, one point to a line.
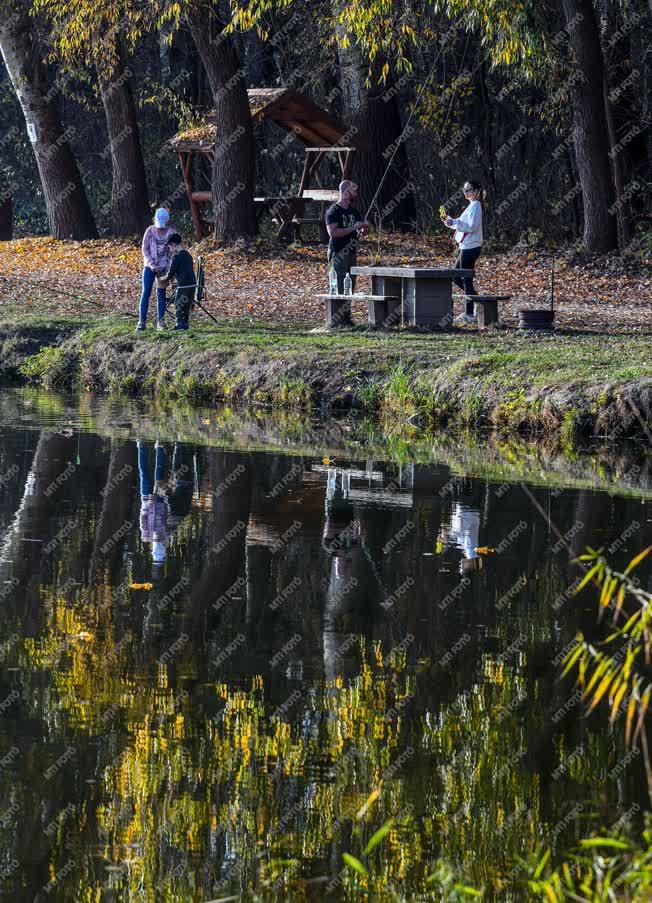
x: 156, y: 260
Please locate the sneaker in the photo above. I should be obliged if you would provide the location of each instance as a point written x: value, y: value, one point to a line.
x: 160, y: 326
x: 465, y: 318
x: 140, y: 327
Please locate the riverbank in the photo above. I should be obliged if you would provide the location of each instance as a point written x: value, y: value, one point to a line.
x: 571, y: 385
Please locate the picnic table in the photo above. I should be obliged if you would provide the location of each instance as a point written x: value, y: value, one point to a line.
x: 423, y: 295
x: 289, y: 212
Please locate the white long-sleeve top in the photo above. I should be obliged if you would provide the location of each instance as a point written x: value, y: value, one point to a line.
x: 468, y: 226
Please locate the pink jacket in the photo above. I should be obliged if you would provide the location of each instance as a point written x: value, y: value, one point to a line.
x: 154, y: 512
x: 151, y: 255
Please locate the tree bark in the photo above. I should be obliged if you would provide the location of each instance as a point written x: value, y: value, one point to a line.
x: 69, y: 213
x: 590, y: 120
x: 234, y: 165
x: 375, y: 114
x: 129, y: 204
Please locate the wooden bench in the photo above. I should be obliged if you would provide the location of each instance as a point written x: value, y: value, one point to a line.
x: 487, y: 307
x: 382, y: 310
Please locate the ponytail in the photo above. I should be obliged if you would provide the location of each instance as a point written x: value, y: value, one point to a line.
x: 482, y: 194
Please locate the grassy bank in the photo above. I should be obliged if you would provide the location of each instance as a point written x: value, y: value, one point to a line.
x: 570, y: 384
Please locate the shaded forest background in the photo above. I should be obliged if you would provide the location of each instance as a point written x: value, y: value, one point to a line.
x: 502, y: 104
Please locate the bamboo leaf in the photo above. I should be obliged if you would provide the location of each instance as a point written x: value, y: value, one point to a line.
x: 637, y: 559
x: 355, y: 864
x: 602, y: 689
x: 371, y: 799
x: 465, y: 889
x: 645, y: 701
x: 618, y: 698
x: 597, y: 674
x: 381, y: 833
x: 541, y: 864
x: 631, y: 710
x: 620, y: 599
x: 627, y: 627
x: 574, y: 655
x: 610, y: 842
x: 587, y: 577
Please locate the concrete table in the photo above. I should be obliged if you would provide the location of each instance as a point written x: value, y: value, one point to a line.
x: 426, y: 293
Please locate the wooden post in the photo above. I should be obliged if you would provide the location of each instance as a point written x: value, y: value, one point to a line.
x: 305, y: 175
x: 186, y: 168
x: 6, y: 219
x: 348, y: 165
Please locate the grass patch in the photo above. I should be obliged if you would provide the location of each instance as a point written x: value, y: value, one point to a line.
x: 508, y: 379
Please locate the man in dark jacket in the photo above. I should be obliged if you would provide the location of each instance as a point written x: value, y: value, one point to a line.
x: 181, y: 268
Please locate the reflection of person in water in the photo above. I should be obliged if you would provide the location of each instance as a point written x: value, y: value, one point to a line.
x: 163, y: 502
x: 463, y: 532
x: 341, y: 539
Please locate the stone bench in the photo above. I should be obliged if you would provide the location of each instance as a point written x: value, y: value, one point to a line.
x: 382, y: 310
x: 487, y: 307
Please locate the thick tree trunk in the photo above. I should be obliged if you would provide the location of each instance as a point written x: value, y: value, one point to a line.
x: 375, y: 114
x: 591, y: 134
x: 234, y: 164
x: 129, y: 205
x: 69, y: 213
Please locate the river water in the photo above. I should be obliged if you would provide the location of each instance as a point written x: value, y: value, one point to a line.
x: 227, y: 658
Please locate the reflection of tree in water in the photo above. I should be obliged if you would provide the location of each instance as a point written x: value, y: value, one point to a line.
x: 205, y: 775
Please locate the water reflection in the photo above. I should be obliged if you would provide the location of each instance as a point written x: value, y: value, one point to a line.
x: 211, y: 659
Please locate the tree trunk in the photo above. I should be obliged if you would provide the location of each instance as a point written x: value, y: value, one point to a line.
x: 590, y: 120
x: 622, y: 217
x: 129, y: 205
x: 375, y: 114
x: 234, y: 164
x: 69, y: 213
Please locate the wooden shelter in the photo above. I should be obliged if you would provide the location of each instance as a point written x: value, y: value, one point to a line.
x: 321, y: 134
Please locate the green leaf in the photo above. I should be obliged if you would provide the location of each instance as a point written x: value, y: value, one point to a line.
x: 381, y: 833
x: 355, y: 864
x: 541, y: 865
x: 589, y: 574
x: 605, y: 842
x: 465, y: 889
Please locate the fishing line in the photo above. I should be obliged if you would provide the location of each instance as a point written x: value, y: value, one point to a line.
x: 57, y: 291
x: 399, y: 141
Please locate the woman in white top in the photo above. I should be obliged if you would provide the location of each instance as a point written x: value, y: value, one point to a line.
x: 468, y: 235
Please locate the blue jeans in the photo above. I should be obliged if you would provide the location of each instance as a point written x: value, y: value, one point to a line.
x: 148, y: 281
x: 144, y: 469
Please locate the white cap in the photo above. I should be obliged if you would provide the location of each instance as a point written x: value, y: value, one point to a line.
x: 159, y: 551
x: 161, y: 218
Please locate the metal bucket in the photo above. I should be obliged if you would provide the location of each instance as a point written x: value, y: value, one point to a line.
x: 536, y: 319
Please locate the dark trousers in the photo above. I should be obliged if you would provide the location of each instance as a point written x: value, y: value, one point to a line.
x: 342, y: 263
x: 466, y: 261
x: 182, y: 301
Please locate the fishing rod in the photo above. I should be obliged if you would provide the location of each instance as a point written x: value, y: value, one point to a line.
x: 57, y: 291
x: 400, y: 139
